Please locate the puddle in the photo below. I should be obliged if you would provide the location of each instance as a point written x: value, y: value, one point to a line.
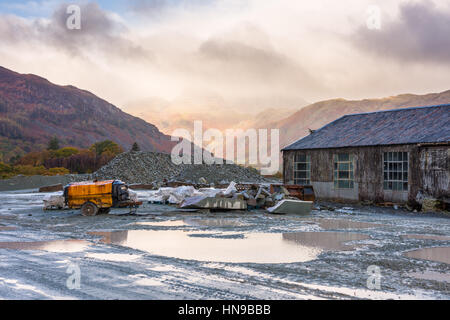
x: 3, y: 228
x: 169, y: 223
x: 252, y: 248
x: 438, y: 254
x: 330, y: 224
x: 52, y: 246
x: 431, y: 275
x: 215, y: 223
x: 426, y: 237
x: 108, y: 237
x: 326, y: 240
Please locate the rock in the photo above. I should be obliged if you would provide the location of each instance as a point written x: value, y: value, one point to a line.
x: 202, y: 181
x: 51, y: 188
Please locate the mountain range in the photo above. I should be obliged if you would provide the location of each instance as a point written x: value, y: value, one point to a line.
x: 318, y: 114
x: 33, y: 110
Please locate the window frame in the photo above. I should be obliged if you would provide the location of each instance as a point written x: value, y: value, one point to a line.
x: 307, y: 169
x: 338, y: 181
x: 395, y: 171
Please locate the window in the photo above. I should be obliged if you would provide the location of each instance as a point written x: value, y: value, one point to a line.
x: 395, y: 171
x: 302, y: 169
x: 343, y: 171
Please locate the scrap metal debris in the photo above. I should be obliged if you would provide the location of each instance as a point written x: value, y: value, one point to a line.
x: 233, y: 197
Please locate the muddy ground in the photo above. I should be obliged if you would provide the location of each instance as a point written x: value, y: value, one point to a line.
x: 358, y: 253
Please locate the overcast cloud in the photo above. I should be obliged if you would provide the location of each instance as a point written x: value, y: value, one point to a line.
x: 421, y: 33
x: 177, y: 60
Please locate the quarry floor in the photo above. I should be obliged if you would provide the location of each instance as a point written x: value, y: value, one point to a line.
x: 160, y: 253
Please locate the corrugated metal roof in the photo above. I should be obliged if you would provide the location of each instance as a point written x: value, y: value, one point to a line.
x: 428, y: 124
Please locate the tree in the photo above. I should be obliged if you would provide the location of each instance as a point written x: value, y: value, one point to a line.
x: 65, y: 152
x: 106, y: 145
x: 53, y: 144
x: 135, y: 147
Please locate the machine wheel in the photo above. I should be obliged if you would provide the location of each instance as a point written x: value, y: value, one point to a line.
x: 89, y: 209
x: 104, y: 210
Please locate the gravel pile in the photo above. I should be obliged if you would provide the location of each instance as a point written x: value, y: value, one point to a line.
x: 148, y: 167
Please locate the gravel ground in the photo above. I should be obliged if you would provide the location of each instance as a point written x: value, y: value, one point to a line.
x: 29, y: 182
x: 165, y: 254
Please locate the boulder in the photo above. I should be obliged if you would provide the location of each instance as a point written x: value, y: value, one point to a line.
x: 51, y: 188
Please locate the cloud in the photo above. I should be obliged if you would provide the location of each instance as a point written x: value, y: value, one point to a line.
x: 245, y: 56
x: 147, y: 7
x: 100, y: 30
x: 225, y: 61
x: 421, y: 33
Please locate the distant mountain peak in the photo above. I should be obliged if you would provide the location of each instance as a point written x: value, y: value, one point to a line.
x: 321, y: 113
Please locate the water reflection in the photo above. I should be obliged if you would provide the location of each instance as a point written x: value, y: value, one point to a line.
x: 426, y: 237
x: 108, y: 237
x: 168, y: 223
x: 252, y: 248
x: 439, y: 254
x: 215, y: 223
x: 3, y: 228
x: 431, y: 275
x: 330, y: 224
x: 52, y: 246
x: 325, y: 240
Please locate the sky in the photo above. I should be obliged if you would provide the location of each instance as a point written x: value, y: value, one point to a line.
x: 225, y: 61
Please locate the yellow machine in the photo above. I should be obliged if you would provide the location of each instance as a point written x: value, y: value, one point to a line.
x: 98, y: 196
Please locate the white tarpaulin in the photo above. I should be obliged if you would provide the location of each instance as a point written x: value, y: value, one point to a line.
x: 53, y: 201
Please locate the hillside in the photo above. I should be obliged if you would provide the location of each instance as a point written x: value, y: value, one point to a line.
x: 32, y: 110
x: 319, y: 114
